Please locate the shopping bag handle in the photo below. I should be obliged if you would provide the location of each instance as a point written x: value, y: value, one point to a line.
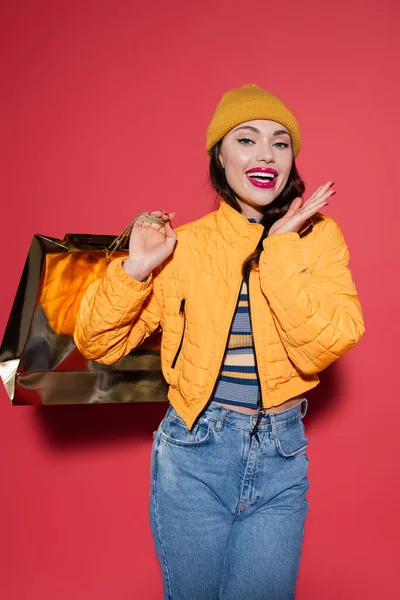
x: 119, y: 241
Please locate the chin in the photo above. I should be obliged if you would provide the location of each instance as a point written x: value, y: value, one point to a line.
x: 258, y: 201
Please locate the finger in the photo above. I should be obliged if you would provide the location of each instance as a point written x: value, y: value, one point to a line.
x: 169, y: 231
x: 297, y: 201
x: 326, y: 187
x: 150, y: 225
x: 314, y: 194
x: 152, y: 219
x: 155, y: 226
x: 161, y: 213
x: 295, y: 205
x: 137, y: 224
x: 168, y: 216
x: 314, y: 208
x: 322, y: 188
x: 322, y: 194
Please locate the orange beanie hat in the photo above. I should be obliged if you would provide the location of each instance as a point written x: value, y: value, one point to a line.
x: 245, y: 104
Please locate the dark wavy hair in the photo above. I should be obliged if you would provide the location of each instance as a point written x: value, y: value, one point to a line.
x: 276, y: 210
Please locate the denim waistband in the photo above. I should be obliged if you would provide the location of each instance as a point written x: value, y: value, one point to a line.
x: 270, y: 421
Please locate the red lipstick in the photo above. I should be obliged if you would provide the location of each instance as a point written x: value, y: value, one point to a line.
x: 266, y: 179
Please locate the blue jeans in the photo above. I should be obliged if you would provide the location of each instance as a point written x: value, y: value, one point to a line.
x: 227, y: 511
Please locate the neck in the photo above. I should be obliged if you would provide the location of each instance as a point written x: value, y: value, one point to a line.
x: 249, y: 211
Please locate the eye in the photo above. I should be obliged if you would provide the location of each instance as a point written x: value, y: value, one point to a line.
x: 282, y: 144
x: 245, y: 140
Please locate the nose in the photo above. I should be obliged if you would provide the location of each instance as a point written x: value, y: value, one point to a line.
x: 266, y: 154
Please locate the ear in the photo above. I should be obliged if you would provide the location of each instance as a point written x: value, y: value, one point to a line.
x: 221, y: 161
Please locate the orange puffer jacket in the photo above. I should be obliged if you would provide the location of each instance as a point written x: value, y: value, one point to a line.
x: 304, y: 307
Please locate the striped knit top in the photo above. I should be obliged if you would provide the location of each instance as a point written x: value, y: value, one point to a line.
x: 238, y: 381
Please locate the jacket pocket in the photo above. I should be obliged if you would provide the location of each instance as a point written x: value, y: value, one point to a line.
x: 181, y: 312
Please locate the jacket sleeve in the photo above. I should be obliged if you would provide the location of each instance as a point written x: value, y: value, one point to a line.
x: 315, y: 308
x: 116, y: 314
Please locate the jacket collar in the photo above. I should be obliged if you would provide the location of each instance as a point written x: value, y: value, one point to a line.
x: 236, y: 230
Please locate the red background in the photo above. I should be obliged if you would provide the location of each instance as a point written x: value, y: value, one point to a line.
x: 105, y: 109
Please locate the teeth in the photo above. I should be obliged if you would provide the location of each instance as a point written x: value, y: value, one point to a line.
x: 269, y: 176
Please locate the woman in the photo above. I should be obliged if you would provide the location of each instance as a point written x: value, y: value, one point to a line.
x: 253, y: 300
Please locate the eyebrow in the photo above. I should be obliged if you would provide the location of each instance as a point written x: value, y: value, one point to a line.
x: 277, y: 132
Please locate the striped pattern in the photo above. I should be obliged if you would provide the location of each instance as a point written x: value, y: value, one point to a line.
x: 238, y: 382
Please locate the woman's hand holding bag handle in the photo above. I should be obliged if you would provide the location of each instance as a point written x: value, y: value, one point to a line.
x: 152, y: 240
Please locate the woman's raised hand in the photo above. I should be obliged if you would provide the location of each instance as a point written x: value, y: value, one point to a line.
x: 149, y: 245
x: 299, y: 212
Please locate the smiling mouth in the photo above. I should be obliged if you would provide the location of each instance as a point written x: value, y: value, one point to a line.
x: 263, y: 177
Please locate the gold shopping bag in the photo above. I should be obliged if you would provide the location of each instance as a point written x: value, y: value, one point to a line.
x: 39, y: 362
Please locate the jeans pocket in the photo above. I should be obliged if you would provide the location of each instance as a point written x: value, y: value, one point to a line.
x: 291, y: 440
x: 174, y: 430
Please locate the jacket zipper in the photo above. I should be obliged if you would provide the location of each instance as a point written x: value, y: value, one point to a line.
x: 261, y: 409
x: 181, y: 312
x: 226, y: 344
x: 259, y: 399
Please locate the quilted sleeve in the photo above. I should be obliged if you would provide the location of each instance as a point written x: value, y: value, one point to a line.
x: 316, y: 309
x: 116, y: 314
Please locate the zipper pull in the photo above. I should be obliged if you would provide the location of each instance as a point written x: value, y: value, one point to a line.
x: 182, y: 306
x: 261, y: 413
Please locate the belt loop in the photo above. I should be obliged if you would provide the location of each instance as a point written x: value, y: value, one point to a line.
x: 304, y: 412
x: 221, y: 418
x: 273, y: 425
